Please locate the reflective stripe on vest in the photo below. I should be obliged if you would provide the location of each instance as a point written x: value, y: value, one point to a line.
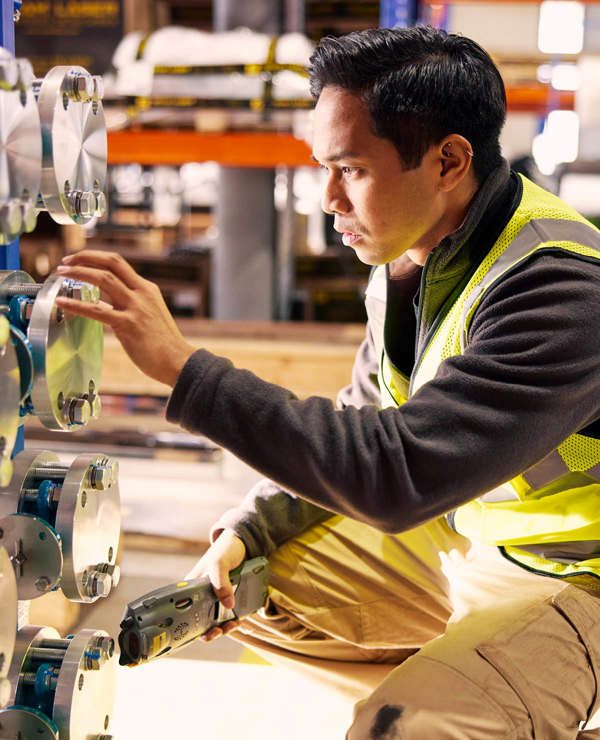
x: 555, y: 501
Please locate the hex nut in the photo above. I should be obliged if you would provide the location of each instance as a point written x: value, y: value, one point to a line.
x: 79, y: 86
x: 82, y: 203
x: 76, y: 411
x: 84, y: 292
x: 100, y: 584
x: 105, y: 475
x: 106, y: 646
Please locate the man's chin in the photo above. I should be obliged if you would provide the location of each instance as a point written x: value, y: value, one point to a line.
x: 368, y: 255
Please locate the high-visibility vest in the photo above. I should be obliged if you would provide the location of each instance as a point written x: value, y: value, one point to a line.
x: 547, y: 519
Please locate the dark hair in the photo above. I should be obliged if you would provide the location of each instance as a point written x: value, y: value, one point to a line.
x: 419, y: 85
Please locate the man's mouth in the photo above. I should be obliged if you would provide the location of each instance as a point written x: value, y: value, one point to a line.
x: 349, y: 238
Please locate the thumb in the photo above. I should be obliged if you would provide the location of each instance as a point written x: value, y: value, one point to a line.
x: 219, y: 577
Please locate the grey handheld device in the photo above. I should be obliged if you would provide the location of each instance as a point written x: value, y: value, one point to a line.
x: 169, y: 618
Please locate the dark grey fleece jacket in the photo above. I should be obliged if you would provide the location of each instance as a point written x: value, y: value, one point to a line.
x: 529, y: 378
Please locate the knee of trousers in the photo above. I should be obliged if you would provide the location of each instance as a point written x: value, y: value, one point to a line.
x: 434, y: 701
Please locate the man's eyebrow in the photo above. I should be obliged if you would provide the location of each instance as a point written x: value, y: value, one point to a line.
x: 347, y: 154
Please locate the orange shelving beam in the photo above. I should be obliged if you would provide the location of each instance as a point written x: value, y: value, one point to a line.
x: 236, y: 149
x: 538, y: 99
x: 269, y: 149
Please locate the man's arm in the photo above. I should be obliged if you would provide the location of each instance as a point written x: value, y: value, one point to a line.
x: 269, y: 516
x: 528, y: 379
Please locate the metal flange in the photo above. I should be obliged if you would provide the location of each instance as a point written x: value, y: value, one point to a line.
x: 67, y: 357
x: 59, y: 355
x: 75, y: 145
x: 85, y: 691
x: 79, y: 506
x: 8, y: 623
x: 20, y: 148
x: 35, y: 552
x: 88, y: 519
x: 77, y: 685
x: 24, y: 722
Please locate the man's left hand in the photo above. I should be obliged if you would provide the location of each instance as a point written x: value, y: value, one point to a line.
x: 135, y: 311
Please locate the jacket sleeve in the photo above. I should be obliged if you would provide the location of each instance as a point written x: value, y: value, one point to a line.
x: 269, y: 516
x: 528, y: 379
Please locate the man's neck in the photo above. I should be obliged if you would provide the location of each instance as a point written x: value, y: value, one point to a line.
x: 452, y: 219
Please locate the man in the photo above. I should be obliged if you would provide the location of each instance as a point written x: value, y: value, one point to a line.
x: 453, y: 492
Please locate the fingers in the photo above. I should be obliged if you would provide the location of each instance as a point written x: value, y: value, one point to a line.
x: 100, y: 311
x: 110, y: 261
x: 220, y: 631
x: 111, y: 284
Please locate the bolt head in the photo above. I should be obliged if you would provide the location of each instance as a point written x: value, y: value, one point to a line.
x: 106, y: 646
x: 104, y: 476
x: 83, y: 86
x: 9, y: 73
x: 101, y: 584
x: 76, y: 411
x: 82, y: 203
x: 4, y: 691
x: 26, y: 74
x: 84, y: 292
x: 11, y: 218
x: 6, y: 470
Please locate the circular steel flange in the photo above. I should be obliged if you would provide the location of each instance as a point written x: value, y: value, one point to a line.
x: 20, y: 148
x: 8, y: 622
x: 84, y: 698
x: 67, y: 358
x: 23, y: 722
x: 24, y: 465
x: 28, y: 637
x: 88, y: 520
x: 75, y: 145
x: 35, y: 551
x: 10, y: 382
x: 20, y: 346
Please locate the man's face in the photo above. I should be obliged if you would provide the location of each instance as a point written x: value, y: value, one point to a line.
x: 381, y: 209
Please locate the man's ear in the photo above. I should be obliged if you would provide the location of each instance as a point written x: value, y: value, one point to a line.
x: 455, y: 157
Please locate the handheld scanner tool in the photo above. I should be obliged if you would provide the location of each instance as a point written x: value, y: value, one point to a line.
x: 169, y: 618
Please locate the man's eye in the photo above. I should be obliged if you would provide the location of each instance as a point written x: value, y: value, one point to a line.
x: 349, y: 170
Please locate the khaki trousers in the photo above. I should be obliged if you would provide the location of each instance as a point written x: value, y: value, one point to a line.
x: 433, y: 637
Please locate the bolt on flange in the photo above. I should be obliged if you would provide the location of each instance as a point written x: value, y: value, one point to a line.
x: 78, y: 86
x: 76, y: 410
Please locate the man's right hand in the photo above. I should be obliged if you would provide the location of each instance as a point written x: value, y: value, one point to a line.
x: 225, y: 554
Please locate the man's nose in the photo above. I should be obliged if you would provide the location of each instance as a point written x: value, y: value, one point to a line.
x: 334, y: 200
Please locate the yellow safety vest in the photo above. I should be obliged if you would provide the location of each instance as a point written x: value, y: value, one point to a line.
x: 547, y: 519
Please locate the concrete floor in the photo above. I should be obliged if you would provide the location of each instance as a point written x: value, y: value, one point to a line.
x: 218, y: 690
